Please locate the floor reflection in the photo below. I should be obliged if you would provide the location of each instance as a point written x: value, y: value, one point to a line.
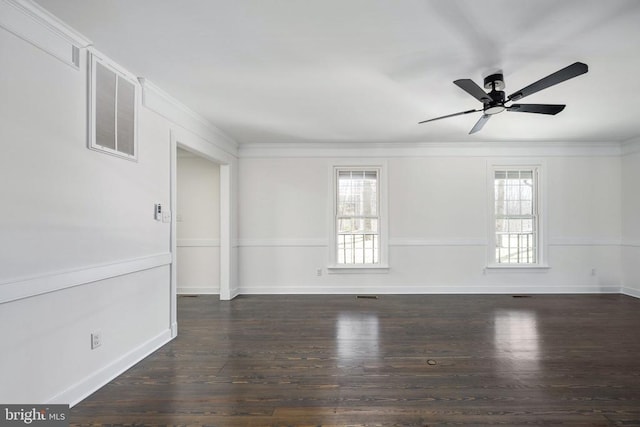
x: 357, y: 336
x: 516, y: 339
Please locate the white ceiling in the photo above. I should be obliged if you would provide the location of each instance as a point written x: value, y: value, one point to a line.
x: 368, y: 70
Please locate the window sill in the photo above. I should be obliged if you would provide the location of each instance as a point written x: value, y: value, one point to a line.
x: 507, y: 267
x: 358, y: 269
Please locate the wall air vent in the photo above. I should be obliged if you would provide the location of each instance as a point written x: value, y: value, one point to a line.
x: 113, y: 101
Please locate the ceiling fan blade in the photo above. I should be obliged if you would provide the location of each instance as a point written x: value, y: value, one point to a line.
x: 573, y: 70
x: 480, y: 123
x: 551, y: 109
x: 473, y: 89
x: 450, y: 115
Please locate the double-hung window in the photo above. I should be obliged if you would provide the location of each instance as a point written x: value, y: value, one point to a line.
x: 516, y: 216
x: 357, y: 216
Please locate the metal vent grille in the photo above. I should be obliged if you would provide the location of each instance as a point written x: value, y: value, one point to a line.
x: 113, y: 100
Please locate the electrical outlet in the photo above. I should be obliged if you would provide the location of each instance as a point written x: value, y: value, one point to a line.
x: 319, y: 272
x: 96, y: 340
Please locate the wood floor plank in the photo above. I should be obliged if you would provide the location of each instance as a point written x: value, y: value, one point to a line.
x: 431, y: 360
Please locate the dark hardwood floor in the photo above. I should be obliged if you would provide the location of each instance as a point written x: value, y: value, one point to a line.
x: 394, y: 361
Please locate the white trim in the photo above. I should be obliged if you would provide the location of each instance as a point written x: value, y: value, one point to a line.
x: 430, y: 149
x: 228, y: 263
x: 173, y: 234
x: 234, y: 292
x: 198, y: 243
x: 202, y: 148
x: 358, y: 269
x: 174, y: 329
x: 583, y: 241
x: 16, y: 289
x: 35, y: 25
x: 173, y: 110
x: 631, y: 243
x: 631, y: 146
x: 529, y: 268
x: 84, y: 388
x: 403, y: 241
x: 191, y: 290
x: 267, y: 243
x: 105, y: 60
x: 632, y: 292
x: 418, y: 289
x: 408, y: 241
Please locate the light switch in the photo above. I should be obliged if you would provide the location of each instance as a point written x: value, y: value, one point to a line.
x: 157, y: 212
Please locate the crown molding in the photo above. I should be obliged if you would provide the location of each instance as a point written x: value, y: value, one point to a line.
x: 51, y: 22
x: 631, y: 146
x: 173, y: 110
x: 35, y: 25
x: 431, y: 149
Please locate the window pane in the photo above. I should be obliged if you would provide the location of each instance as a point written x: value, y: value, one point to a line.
x: 345, y: 225
x: 515, y: 226
x: 528, y: 175
x: 513, y: 175
x: 357, y: 193
x: 513, y: 208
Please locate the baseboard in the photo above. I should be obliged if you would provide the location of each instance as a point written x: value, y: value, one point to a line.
x: 174, y: 330
x: 84, y: 388
x: 422, y: 289
x: 234, y: 293
x: 631, y: 292
x: 198, y: 291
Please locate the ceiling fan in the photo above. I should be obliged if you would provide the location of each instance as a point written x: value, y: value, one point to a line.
x: 495, y: 101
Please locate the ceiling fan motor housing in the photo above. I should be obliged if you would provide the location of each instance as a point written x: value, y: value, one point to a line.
x: 494, y: 82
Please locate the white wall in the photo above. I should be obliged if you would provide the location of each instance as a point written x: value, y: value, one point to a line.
x: 438, y: 207
x: 631, y: 219
x: 198, y: 228
x: 73, y: 220
x: 81, y: 251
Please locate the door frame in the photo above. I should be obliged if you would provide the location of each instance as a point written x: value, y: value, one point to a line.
x: 228, y: 164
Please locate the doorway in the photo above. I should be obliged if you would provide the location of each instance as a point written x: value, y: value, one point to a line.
x: 227, y: 181
x: 197, y: 257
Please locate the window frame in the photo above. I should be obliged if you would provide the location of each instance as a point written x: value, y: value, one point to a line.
x: 95, y: 58
x: 538, y: 168
x: 382, y: 265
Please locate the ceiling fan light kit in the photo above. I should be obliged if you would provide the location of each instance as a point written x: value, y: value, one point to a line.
x: 495, y: 101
